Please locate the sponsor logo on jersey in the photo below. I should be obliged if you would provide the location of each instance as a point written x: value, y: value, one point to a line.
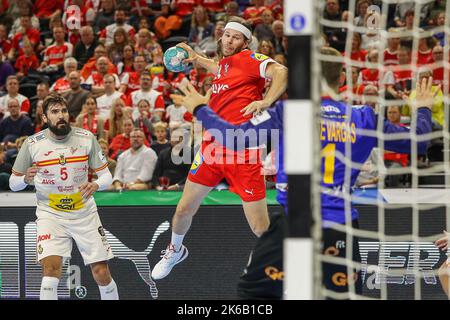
x: 198, y: 160
x: 331, y: 251
x: 217, y: 88
x: 48, y: 181
x: 62, y: 159
x: 79, y: 179
x: 66, y: 189
x: 340, y: 279
x: 82, y: 132
x: 44, y: 237
x: 47, y: 173
x: 273, y: 273
x: 66, y: 202
x: 330, y: 108
x: 40, y: 137
x: 80, y: 169
x: 259, y: 56
x: 48, y: 153
x: 73, y: 150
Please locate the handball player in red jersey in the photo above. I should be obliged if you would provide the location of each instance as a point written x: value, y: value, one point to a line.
x: 237, y: 95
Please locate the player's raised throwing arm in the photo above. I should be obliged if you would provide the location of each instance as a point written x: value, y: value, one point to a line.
x: 194, y: 57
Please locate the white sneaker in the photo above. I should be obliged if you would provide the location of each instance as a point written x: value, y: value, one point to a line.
x: 170, y: 258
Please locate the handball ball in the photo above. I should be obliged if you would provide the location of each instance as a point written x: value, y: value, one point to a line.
x: 173, y: 59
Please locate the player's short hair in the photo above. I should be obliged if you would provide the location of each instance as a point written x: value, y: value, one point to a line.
x: 12, y: 77
x: 53, y: 99
x: 331, y: 70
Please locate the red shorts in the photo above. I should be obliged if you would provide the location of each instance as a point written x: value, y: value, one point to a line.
x: 245, y: 179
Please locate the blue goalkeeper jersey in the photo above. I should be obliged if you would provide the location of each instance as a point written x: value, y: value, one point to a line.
x: 335, y: 133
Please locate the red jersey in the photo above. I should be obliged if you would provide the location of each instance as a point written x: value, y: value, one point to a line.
x: 358, y: 89
x: 253, y: 12
x: 32, y: 34
x: 277, y: 9
x: 403, y: 78
x: 424, y: 57
x: 239, y: 81
x: 185, y: 7
x: 214, y: 5
x: 132, y: 80
x: 5, y: 46
x: 359, y: 56
x: 390, y: 58
x: 370, y: 76
x: 56, y: 54
x: 45, y: 8
x: 96, y: 79
x: 90, y: 67
x: 24, y: 63
x: 62, y: 84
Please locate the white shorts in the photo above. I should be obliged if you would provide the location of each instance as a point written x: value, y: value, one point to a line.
x: 54, y: 238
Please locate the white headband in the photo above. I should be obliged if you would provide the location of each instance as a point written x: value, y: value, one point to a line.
x: 239, y: 27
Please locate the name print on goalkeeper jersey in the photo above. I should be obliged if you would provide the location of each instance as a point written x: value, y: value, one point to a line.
x: 335, y: 131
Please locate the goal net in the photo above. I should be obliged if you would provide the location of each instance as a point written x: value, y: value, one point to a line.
x: 402, y: 196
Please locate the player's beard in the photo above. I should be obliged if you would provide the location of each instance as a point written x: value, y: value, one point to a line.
x: 59, y: 131
x: 221, y: 53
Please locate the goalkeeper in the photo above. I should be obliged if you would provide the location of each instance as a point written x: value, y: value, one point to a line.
x: 333, y: 117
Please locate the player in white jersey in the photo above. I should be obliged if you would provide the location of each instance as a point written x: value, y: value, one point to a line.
x: 57, y: 160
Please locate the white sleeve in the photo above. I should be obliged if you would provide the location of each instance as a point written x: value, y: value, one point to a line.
x: 17, y: 183
x: 155, y: 83
x: 360, y: 79
x: 263, y: 67
x: 90, y: 80
x: 118, y: 176
x: 388, y: 78
x: 148, y: 166
x: 116, y: 77
x: 125, y: 78
x: 69, y: 50
x: 104, y: 179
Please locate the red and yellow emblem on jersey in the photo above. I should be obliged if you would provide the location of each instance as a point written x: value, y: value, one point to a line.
x: 259, y: 56
x: 62, y: 159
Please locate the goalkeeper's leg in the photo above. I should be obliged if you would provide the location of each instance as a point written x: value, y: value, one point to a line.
x: 335, y: 276
x: 444, y: 272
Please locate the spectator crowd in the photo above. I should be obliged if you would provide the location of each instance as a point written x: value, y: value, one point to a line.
x: 106, y: 59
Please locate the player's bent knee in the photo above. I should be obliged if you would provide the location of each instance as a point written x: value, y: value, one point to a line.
x: 51, y: 267
x: 101, y: 274
x: 185, y: 209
